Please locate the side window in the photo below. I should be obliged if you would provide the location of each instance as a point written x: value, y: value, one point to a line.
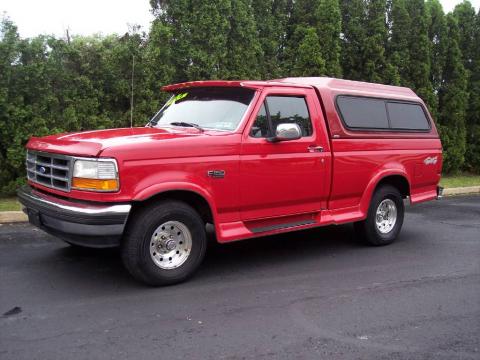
x: 360, y: 113
x: 363, y: 113
x: 282, y: 109
x: 260, y: 127
x: 289, y: 109
x: 405, y: 116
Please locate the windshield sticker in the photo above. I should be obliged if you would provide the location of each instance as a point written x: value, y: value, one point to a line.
x: 225, y: 125
x: 176, y: 98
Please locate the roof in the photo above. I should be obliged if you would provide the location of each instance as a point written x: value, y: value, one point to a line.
x: 321, y: 83
x: 349, y: 85
x: 251, y: 84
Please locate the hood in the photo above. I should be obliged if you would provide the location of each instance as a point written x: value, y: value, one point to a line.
x: 92, y: 143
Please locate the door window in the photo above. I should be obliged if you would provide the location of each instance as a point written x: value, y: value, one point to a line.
x: 260, y: 126
x: 279, y: 110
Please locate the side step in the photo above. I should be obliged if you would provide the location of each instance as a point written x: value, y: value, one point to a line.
x: 261, y: 229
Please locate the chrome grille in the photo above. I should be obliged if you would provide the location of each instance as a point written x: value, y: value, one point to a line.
x: 48, y: 169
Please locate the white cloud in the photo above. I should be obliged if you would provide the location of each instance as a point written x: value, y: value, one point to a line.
x: 87, y: 17
x: 83, y: 17
x: 449, y: 5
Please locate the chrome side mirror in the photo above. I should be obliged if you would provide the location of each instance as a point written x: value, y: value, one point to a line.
x: 287, y: 131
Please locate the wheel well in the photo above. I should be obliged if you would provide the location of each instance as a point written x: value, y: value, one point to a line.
x: 399, y: 181
x: 193, y: 199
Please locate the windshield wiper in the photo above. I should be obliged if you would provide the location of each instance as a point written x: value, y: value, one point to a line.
x: 183, y: 123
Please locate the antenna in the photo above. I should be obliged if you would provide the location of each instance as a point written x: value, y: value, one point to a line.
x: 131, y: 97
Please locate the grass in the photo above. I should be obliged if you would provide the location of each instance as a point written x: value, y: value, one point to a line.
x: 460, y: 180
x: 9, y: 204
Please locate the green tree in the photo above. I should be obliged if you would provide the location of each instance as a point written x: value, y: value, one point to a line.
x: 453, y: 101
x: 324, y: 17
x: 205, y: 30
x: 329, y: 26
x: 199, y: 36
x: 243, y: 46
x: 418, y: 74
x: 375, y: 67
x: 9, y: 56
x: 160, y: 59
x: 464, y: 13
x: 398, y: 46
x: 353, y: 39
x: 473, y: 112
x: 51, y: 85
x: 271, y: 20
x: 308, y: 60
x: 437, y: 33
x: 301, y: 21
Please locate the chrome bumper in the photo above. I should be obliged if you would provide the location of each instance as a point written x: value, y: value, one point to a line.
x: 82, y: 223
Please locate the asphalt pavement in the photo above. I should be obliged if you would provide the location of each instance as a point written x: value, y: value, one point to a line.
x: 315, y: 294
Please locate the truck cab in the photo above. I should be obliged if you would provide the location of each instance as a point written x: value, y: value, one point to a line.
x: 252, y: 158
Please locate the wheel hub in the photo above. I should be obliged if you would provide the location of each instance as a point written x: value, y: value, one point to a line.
x: 170, y: 245
x: 386, y: 216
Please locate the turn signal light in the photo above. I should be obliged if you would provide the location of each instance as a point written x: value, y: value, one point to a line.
x: 95, y: 184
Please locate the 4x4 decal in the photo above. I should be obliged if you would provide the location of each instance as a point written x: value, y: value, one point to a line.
x: 430, y: 160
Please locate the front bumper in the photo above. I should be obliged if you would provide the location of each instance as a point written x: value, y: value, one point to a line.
x: 88, y: 224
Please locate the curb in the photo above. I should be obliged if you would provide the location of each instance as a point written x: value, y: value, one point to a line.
x: 19, y: 216
x: 12, y: 217
x: 461, y: 190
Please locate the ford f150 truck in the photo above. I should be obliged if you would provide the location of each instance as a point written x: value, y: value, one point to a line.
x: 253, y: 158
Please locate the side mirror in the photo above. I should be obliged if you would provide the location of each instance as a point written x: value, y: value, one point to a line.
x: 287, y: 131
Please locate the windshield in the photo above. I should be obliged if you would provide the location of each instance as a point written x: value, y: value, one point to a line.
x: 205, y: 108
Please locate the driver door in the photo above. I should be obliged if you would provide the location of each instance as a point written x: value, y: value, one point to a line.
x: 278, y: 179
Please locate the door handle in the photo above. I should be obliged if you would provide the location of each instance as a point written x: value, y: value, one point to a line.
x: 315, y: 148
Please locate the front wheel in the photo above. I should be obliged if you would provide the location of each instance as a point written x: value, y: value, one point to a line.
x: 164, y: 243
x: 385, y: 217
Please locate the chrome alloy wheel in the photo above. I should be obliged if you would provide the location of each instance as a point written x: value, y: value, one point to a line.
x: 170, y: 245
x: 386, y: 216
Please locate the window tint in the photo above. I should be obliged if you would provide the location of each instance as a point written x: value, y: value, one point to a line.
x: 363, y: 112
x: 260, y: 127
x: 282, y: 109
x: 288, y: 109
x: 407, y: 116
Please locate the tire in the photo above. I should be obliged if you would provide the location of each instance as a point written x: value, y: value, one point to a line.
x: 164, y: 243
x: 386, y: 230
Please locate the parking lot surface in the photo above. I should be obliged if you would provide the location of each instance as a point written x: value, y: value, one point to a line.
x: 315, y: 294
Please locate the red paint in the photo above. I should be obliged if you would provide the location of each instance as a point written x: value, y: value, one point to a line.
x: 266, y: 184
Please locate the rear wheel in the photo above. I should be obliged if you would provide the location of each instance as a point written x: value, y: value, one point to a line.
x: 385, y: 217
x: 164, y: 243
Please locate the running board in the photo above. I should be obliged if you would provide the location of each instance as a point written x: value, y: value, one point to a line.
x: 282, y: 226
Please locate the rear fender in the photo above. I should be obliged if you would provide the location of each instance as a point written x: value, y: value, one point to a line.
x: 388, y: 170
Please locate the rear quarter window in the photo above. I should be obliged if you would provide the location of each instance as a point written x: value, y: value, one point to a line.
x: 405, y: 116
x: 363, y: 113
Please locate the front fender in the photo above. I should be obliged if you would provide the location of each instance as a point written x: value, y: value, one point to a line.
x: 156, y: 189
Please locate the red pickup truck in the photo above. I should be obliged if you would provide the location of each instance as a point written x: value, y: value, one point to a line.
x: 253, y: 158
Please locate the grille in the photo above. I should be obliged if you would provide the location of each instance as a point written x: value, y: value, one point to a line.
x: 51, y: 170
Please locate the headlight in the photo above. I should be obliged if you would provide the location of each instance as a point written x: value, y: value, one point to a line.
x: 95, y: 175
